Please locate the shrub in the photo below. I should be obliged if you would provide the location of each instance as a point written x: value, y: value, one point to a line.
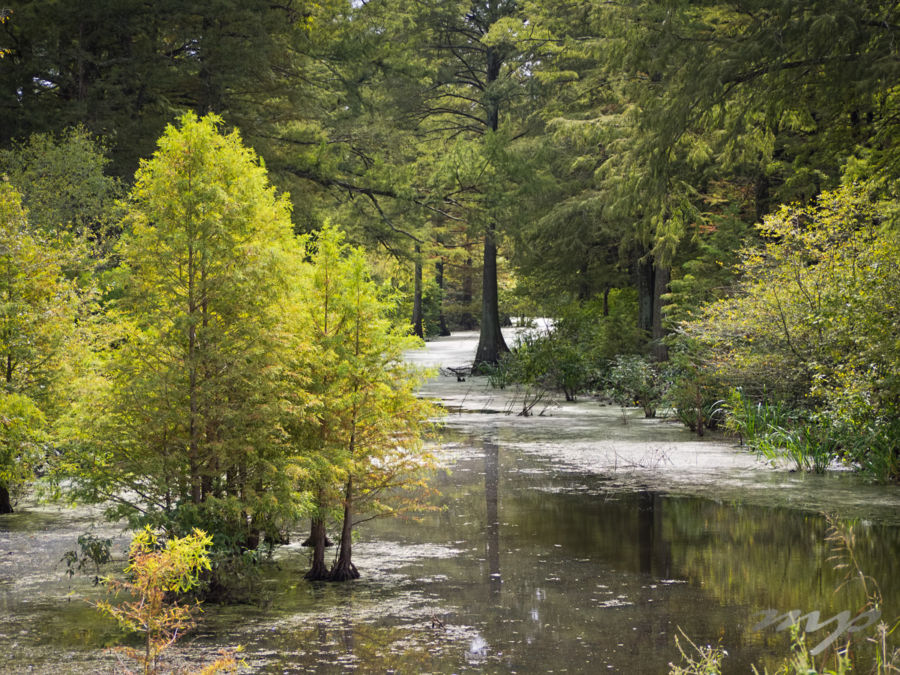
x: 813, y: 322
x: 95, y: 551
x: 157, y: 572
x: 567, y: 357
x: 634, y: 380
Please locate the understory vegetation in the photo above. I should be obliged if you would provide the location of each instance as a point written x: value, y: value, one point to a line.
x: 224, y: 376
x: 799, y: 360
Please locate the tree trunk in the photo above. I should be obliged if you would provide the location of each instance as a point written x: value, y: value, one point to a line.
x: 645, y: 288
x: 5, y: 503
x: 318, y: 571
x: 311, y: 539
x: 491, y: 343
x: 584, y: 285
x: 761, y: 197
x: 652, y: 283
x: 252, y: 534
x: 443, y: 331
x: 344, y: 569
x: 660, y: 286
x: 417, y: 321
x: 467, y: 319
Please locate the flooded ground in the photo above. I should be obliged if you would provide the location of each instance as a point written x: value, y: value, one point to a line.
x: 568, y: 542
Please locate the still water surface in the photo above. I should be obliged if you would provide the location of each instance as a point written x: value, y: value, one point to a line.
x: 569, y: 542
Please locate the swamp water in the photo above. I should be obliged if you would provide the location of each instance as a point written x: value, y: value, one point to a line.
x: 568, y: 542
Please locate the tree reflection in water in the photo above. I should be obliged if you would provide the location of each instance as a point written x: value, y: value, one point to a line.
x: 492, y: 513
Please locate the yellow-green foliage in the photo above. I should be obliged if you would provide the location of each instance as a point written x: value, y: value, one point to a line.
x: 36, y: 304
x: 359, y: 426
x: 814, y: 318
x: 22, y: 428
x: 361, y: 410
x: 187, y: 424
x: 156, y: 571
x: 37, y: 327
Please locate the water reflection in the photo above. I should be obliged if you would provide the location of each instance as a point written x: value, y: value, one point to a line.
x: 582, y: 578
x: 477, y: 652
x: 492, y: 513
x: 652, y: 547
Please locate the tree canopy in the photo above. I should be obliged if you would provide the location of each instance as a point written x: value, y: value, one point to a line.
x: 188, y: 419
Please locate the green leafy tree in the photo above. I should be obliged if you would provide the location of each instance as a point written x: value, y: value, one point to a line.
x: 470, y: 84
x: 186, y: 428
x: 690, y: 120
x: 65, y: 188
x: 363, y: 415
x: 22, y: 432
x: 121, y: 67
x: 37, y: 305
x: 38, y: 343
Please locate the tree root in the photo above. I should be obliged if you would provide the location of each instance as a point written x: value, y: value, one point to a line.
x: 317, y: 573
x: 343, y: 572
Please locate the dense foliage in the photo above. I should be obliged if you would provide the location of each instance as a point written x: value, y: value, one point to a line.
x: 812, y: 325
x: 186, y: 417
x: 359, y: 426
x: 243, y: 380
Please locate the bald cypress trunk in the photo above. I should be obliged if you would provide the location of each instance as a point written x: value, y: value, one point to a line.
x: 417, y: 318
x: 344, y: 569
x: 645, y: 295
x: 318, y: 571
x: 490, y: 343
x: 5, y: 503
x: 443, y: 330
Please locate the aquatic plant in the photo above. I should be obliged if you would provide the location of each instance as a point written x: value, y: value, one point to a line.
x: 699, y: 659
x: 94, y: 551
x: 841, y: 540
x: 776, y: 430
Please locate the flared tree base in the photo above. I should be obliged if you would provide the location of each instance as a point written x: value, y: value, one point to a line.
x: 318, y: 572
x: 343, y: 571
x: 5, y: 503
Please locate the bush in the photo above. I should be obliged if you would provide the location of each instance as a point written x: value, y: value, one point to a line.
x: 95, y: 551
x: 694, y: 393
x: 568, y: 357
x: 635, y: 381
x: 157, y: 572
x: 812, y: 323
x: 551, y: 361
